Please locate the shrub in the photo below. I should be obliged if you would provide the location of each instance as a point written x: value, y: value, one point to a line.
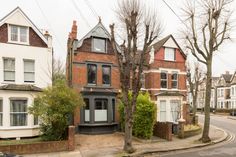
x: 144, y: 117
x: 54, y: 106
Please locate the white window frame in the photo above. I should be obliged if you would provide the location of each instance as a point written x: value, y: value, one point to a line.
x: 29, y: 72
x: 9, y: 70
x: 162, y: 110
x: 167, y: 54
x: 177, y: 81
x: 93, y: 45
x: 18, y: 34
x: 12, y: 113
x: 1, y: 112
x: 164, y: 79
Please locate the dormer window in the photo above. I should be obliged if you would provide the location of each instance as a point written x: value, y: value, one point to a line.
x: 18, y: 34
x: 99, y: 45
x: 169, y: 54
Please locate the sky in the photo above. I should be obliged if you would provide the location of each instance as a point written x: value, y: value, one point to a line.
x: 57, y: 16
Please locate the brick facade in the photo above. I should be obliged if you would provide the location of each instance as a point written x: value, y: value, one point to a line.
x: 3, y: 33
x: 42, y: 147
x: 81, y: 57
x: 169, y: 95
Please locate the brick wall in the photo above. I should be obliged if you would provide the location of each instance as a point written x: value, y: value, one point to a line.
x: 3, y: 33
x: 43, y: 147
x: 35, y: 40
x: 163, y: 130
x: 186, y: 114
x: 80, y: 68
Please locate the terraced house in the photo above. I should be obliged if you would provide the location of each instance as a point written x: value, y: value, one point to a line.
x: 92, y: 70
x: 25, y: 69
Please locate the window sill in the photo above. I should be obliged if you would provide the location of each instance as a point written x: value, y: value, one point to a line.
x: 8, y: 82
x: 169, y: 60
x: 164, y: 89
x: 19, y: 43
x: 18, y: 127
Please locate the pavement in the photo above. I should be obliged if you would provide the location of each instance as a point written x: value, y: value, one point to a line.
x: 110, y: 145
x: 232, y: 117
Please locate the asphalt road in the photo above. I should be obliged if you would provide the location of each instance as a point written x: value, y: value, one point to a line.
x: 224, y: 149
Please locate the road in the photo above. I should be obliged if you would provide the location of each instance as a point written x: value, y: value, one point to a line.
x: 225, y: 149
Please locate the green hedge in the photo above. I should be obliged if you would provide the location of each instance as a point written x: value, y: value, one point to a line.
x: 144, y: 117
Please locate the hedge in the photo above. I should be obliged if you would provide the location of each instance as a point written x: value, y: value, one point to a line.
x: 144, y: 117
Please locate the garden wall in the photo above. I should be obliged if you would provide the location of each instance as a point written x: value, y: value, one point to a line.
x: 163, y: 130
x: 43, y: 147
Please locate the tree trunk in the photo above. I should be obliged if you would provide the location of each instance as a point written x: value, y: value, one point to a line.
x: 128, y: 147
x: 194, y: 109
x: 205, y: 135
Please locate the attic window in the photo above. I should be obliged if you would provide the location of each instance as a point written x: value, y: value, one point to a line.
x: 18, y: 34
x: 169, y: 54
x: 99, y: 45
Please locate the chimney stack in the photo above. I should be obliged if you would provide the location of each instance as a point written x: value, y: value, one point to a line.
x: 73, y: 33
x: 49, y: 39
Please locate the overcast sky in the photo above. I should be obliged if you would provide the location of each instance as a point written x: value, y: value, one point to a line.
x: 56, y: 16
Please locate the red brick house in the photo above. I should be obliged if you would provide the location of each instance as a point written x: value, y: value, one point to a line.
x: 165, y: 78
x: 92, y: 69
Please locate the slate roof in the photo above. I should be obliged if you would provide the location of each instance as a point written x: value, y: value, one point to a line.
x: 227, y: 77
x: 18, y: 87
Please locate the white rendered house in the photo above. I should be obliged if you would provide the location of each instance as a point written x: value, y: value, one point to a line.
x: 25, y: 69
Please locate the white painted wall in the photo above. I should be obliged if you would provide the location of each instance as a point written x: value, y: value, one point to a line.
x: 41, y: 56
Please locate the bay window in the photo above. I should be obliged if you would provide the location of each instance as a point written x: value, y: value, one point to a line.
x: 100, y: 112
x: 86, y: 110
x: 162, y: 110
x: 18, y: 112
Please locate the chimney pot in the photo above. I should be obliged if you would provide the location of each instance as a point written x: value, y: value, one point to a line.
x: 73, y: 33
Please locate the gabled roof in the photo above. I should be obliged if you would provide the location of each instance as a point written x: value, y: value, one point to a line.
x: 233, y: 76
x: 18, y: 9
x: 98, y: 31
x: 227, y: 77
x: 161, y: 43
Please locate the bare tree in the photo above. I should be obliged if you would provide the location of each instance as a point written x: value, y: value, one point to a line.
x: 208, y: 27
x: 140, y: 24
x: 194, y: 82
x: 58, y: 70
